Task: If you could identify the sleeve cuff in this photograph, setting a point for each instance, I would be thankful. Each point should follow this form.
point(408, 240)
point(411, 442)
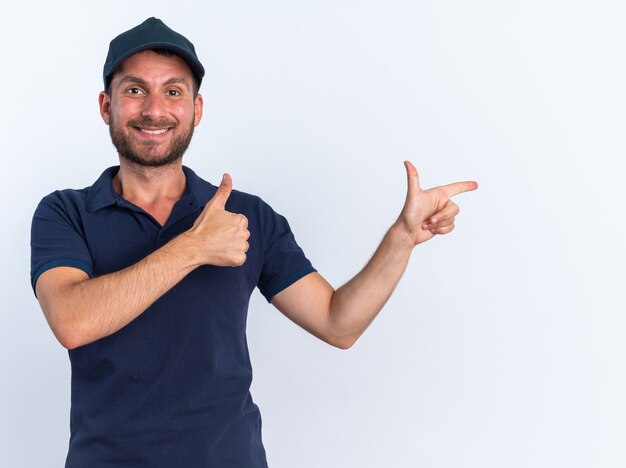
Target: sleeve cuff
point(66, 262)
point(282, 283)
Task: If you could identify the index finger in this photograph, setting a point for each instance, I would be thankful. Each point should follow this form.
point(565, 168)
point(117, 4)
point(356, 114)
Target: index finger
point(459, 187)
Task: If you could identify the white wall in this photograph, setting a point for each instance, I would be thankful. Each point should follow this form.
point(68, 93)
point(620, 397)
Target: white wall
point(503, 345)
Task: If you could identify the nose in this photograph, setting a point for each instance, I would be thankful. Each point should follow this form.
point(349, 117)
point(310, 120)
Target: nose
point(153, 106)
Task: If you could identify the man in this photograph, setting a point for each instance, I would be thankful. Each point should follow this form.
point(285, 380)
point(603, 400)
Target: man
point(146, 276)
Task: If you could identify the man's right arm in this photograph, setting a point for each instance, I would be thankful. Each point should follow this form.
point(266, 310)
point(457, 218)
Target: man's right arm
point(80, 310)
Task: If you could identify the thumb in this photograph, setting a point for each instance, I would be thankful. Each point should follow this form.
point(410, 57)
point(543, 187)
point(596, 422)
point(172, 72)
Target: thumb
point(223, 192)
point(412, 179)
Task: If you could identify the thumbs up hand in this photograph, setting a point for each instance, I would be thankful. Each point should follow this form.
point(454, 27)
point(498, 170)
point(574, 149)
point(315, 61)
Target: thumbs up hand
point(221, 237)
point(427, 213)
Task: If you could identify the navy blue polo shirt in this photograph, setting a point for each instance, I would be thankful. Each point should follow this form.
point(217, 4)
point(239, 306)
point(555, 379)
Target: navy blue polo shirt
point(171, 388)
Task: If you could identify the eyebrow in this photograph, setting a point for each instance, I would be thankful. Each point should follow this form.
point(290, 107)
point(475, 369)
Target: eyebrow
point(144, 83)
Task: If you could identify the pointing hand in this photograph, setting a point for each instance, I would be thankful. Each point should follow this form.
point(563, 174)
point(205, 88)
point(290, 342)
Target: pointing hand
point(429, 212)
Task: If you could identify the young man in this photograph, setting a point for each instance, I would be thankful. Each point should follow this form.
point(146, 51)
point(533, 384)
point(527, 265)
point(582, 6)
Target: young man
point(146, 276)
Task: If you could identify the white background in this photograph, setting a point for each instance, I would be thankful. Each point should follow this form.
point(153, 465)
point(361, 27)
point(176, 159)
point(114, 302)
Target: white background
point(504, 343)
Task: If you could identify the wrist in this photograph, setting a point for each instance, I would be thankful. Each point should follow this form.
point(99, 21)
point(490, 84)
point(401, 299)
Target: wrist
point(185, 249)
point(401, 236)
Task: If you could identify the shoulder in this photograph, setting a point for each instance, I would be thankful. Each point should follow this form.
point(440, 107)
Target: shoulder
point(89, 198)
point(67, 196)
point(246, 201)
point(238, 201)
point(65, 201)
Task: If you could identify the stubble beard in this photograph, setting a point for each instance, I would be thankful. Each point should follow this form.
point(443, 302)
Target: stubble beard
point(146, 154)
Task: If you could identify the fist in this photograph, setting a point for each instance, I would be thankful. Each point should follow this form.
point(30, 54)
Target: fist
point(221, 237)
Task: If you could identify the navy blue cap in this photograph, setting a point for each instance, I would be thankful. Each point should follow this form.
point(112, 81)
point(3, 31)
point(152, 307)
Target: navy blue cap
point(151, 34)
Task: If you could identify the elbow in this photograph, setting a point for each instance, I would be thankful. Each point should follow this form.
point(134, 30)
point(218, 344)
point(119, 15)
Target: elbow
point(344, 342)
point(63, 316)
point(342, 337)
point(64, 331)
point(69, 344)
point(65, 337)
point(344, 346)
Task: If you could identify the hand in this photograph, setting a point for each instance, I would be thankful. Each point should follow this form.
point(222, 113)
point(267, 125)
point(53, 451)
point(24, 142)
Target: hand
point(427, 213)
point(221, 237)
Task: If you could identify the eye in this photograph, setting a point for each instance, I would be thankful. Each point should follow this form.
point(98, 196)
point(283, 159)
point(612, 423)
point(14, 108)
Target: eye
point(134, 90)
point(173, 92)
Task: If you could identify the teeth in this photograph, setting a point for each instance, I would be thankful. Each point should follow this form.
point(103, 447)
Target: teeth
point(155, 132)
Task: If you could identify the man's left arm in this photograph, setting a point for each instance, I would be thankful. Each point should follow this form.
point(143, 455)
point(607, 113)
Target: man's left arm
point(339, 317)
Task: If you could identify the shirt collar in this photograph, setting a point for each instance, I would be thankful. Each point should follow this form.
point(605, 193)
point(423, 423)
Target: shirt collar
point(202, 190)
point(101, 194)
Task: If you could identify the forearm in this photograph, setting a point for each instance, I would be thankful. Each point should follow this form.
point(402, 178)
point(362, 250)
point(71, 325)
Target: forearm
point(340, 317)
point(84, 311)
point(355, 304)
point(81, 310)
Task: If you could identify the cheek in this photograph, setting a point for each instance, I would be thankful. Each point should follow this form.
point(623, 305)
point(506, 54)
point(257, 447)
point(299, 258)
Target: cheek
point(115, 114)
point(184, 113)
point(182, 110)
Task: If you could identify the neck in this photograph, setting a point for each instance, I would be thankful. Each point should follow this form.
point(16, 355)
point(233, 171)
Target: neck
point(147, 186)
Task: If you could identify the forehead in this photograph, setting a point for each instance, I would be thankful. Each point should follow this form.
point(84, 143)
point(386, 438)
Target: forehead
point(155, 68)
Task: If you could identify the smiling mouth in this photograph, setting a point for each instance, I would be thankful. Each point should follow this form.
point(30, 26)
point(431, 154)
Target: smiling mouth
point(148, 131)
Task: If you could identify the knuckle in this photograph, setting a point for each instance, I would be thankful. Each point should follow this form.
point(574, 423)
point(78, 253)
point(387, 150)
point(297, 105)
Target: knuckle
point(447, 223)
point(448, 229)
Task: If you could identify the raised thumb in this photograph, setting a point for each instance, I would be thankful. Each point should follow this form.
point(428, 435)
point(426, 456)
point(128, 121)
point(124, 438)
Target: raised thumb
point(223, 192)
point(412, 179)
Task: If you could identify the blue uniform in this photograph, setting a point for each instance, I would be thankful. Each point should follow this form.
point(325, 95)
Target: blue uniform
point(171, 388)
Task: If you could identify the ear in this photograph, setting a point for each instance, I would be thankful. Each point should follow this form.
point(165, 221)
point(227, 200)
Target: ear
point(104, 102)
point(197, 110)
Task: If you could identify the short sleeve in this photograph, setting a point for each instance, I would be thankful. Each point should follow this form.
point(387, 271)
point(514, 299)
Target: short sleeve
point(57, 238)
point(284, 262)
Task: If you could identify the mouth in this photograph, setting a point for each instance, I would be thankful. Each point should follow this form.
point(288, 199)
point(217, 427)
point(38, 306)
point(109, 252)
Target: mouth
point(152, 131)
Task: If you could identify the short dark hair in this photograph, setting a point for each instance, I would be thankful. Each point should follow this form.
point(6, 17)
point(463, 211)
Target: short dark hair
point(165, 53)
